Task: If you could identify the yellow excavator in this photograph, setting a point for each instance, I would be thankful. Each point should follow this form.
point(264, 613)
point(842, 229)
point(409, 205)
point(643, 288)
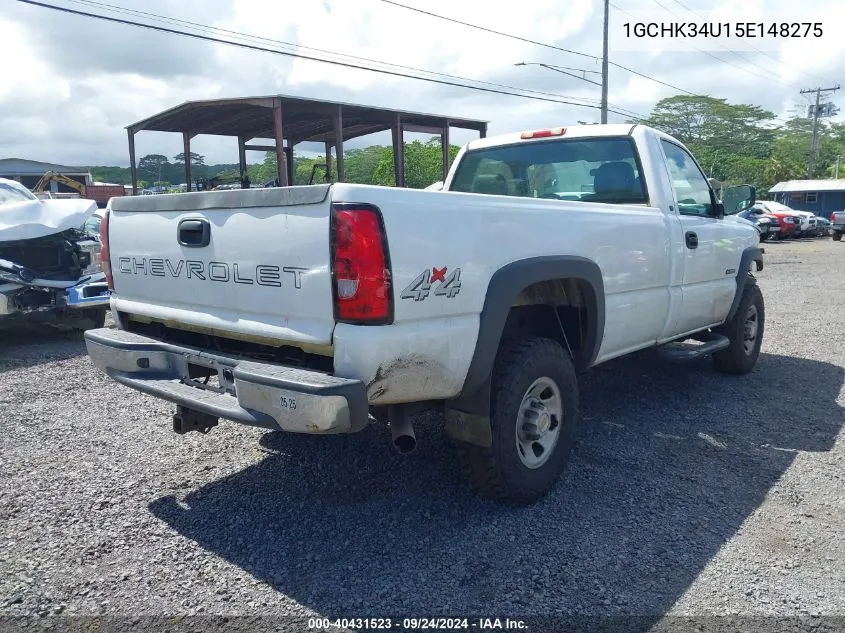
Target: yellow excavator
point(52, 176)
point(101, 194)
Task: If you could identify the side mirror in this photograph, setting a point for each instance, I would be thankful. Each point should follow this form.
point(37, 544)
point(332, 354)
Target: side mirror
point(437, 186)
point(738, 198)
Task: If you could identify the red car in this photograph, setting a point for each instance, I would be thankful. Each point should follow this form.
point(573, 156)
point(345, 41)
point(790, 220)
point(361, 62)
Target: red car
point(789, 223)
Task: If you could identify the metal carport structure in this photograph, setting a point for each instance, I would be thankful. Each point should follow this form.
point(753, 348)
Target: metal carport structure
point(292, 120)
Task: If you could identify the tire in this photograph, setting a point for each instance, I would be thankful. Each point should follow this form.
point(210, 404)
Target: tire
point(836, 236)
point(511, 470)
point(739, 358)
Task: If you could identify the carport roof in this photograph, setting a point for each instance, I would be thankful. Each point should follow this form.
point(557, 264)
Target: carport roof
point(302, 119)
point(802, 186)
point(26, 167)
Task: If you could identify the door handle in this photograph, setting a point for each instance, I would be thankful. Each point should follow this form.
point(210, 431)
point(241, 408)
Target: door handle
point(194, 232)
point(691, 238)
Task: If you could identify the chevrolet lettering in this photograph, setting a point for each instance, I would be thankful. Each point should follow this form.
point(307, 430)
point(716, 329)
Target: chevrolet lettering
point(260, 274)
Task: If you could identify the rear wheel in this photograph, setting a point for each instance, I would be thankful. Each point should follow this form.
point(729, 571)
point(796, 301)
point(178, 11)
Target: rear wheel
point(745, 331)
point(534, 408)
point(836, 236)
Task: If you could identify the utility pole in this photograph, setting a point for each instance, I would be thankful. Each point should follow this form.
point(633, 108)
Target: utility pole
point(837, 167)
point(816, 113)
point(604, 63)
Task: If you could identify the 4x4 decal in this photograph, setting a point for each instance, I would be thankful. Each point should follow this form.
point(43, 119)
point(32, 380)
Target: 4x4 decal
point(447, 285)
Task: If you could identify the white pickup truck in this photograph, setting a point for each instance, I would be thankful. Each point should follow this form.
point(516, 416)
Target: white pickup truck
point(322, 309)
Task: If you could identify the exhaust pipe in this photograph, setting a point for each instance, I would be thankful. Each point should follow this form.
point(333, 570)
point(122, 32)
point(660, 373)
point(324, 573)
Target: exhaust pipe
point(404, 440)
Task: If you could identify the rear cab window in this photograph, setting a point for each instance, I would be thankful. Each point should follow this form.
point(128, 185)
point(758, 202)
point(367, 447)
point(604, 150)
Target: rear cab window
point(598, 169)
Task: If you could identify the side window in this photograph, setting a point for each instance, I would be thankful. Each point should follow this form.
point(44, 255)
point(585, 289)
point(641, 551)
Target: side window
point(691, 188)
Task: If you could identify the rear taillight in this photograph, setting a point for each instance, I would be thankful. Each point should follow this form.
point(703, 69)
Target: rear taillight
point(104, 249)
point(360, 265)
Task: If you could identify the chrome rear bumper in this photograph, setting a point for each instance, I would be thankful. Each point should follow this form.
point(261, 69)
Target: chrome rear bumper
point(254, 393)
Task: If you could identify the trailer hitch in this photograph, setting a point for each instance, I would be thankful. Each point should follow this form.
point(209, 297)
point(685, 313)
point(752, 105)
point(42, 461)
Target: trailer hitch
point(186, 420)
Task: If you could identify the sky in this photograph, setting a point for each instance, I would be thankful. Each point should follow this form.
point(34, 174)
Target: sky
point(71, 84)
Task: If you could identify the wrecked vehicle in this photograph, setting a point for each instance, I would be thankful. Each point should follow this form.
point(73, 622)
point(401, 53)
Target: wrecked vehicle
point(50, 270)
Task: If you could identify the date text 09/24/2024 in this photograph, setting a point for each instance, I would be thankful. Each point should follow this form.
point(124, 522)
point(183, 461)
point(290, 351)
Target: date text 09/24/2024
point(742, 30)
point(417, 624)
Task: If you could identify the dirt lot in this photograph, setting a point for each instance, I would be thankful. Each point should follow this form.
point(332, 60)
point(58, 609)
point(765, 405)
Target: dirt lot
point(691, 493)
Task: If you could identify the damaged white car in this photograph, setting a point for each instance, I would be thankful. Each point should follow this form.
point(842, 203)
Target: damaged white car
point(49, 261)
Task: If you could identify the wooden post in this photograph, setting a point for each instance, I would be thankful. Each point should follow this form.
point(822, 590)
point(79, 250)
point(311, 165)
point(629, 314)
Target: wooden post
point(398, 152)
point(132, 170)
point(242, 155)
point(281, 172)
point(338, 142)
point(444, 141)
point(186, 145)
point(328, 162)
point(289, 163)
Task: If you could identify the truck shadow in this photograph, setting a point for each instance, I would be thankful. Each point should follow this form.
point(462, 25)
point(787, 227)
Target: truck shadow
point(672, 460)
point(29, 345)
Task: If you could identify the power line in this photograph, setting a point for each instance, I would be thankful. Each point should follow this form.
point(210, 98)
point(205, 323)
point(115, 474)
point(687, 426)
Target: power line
point(530, 41)
point(725, 61)
point(559, 69)
point(617, 109)
point(742, 57)
point(719, 59)
point(209, 29)
point(679, 3)
point(127, 11)
point(487, 30)
point(580, 70)
point(254, 47)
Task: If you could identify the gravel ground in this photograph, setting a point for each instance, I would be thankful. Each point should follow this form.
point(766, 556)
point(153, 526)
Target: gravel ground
point(690, 493)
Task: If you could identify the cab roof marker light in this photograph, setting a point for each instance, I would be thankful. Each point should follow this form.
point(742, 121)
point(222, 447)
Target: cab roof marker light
point(555, 131)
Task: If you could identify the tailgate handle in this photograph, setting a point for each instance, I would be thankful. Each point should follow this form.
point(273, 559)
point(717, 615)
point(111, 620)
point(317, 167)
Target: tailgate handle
point(195, 233)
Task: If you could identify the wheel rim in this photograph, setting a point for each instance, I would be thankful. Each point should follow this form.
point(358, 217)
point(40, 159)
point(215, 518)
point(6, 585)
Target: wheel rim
point(538, 422)
point(750, 329)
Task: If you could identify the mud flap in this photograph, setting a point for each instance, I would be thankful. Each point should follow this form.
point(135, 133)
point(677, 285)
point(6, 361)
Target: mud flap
point(468, 419)
point(469, 428)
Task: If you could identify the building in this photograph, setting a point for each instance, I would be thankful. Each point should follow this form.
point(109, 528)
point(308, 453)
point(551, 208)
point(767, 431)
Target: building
point(29, 172)
point(821, 197)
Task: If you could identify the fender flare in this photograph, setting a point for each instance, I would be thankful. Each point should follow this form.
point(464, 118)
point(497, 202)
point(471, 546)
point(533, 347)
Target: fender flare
point(467, 416)
point(750, 254)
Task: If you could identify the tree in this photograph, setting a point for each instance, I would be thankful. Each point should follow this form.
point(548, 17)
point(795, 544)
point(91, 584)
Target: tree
point(154, 165)
point(196, 159)
point(198, 168)
point(304, 167)
point(267, 171)
point(423, 164)
point(360, 164)
point(732, 142)
point(700, 121)
point(117, 175)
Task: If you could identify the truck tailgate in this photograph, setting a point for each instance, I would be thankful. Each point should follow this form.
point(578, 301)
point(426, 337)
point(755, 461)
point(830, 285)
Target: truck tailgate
point(253, 263)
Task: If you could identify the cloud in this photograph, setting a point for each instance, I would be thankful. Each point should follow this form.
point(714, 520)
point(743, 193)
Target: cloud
point(76, 83)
